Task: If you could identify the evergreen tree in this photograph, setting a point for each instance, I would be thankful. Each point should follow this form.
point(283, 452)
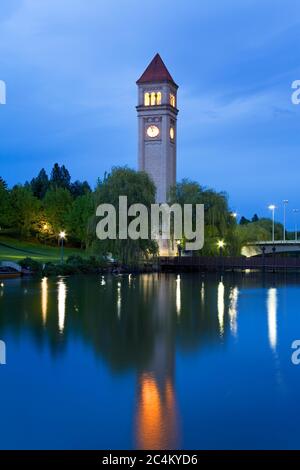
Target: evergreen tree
point(5, 207)
point(255, 218)
point(40, 184)
point(3, 183)
point(60, 177)
point(244, 221)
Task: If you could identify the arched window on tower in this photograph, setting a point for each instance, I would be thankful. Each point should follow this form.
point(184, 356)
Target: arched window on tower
point(172, 100)
point(152, 98)
point(147, 99)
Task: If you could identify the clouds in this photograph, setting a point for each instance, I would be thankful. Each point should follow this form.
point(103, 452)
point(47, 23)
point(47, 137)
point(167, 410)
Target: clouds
point(70, 68)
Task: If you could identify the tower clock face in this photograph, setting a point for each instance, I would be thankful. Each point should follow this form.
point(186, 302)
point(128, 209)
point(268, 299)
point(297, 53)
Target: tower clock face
point(152, 131)
point(172, 133)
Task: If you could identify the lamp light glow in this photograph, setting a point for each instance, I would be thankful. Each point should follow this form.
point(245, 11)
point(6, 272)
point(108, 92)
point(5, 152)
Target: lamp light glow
point(221, 243)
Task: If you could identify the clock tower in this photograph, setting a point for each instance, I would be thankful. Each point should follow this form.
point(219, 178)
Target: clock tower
point(157, 116)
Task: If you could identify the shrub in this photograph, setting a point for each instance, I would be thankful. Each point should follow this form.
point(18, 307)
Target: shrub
point(31, 264)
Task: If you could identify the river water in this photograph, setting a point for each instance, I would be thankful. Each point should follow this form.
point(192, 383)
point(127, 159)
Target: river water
point(154, 361)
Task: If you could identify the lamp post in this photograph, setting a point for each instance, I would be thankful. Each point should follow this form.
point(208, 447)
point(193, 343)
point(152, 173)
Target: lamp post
point(296, 228)
point(285, 202)
point(234, 215)
point(179, 248)
point(272, 208)
point(62, 237)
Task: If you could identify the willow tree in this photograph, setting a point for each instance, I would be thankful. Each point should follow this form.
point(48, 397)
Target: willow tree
point(139, 189)
point(219, 223)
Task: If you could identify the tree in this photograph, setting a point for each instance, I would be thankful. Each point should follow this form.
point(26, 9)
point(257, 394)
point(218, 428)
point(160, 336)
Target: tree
point(79, 188)
point(60, 177)
point(138, 188)
point(5, 206)
point(25, 209)
point(218, 220)
point(40, 184)
point(244, 221)
point(57, 205)
point(80, 212)
point(261, 230)
point(3, 183)
point(255, 218)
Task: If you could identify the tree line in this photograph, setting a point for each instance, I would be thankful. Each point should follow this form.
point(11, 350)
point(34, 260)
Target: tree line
point(46, 205)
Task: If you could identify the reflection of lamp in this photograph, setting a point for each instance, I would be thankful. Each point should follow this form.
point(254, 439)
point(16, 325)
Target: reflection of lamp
point(62, 236)
point(221, 306)
point(62, 295)
point(119, 299)
point(272, 316)
point(233, 309)
point(178, 295)
point(44, 298)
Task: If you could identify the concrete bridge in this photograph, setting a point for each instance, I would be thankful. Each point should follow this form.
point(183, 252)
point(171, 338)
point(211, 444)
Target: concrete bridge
point(229, 263)
point(11, 265)
point(271, 248)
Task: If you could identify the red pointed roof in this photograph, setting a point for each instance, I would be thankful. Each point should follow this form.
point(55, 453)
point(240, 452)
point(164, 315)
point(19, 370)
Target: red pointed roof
point(156, 72)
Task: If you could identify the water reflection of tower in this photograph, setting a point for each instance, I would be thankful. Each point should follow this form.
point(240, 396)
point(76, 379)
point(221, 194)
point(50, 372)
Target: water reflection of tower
point(156, 418)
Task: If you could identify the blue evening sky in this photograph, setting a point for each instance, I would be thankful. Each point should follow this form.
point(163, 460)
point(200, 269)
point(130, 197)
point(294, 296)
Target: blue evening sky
point(70, 67)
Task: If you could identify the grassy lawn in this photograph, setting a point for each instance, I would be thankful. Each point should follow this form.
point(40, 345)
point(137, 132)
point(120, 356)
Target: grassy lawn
point(12, 249)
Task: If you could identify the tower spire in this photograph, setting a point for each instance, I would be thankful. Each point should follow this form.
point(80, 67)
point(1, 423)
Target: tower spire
point(156, 72)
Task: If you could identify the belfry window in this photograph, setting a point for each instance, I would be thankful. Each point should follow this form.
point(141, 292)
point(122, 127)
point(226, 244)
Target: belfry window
point(172, 100)
point(152, 99)
point(147, 99)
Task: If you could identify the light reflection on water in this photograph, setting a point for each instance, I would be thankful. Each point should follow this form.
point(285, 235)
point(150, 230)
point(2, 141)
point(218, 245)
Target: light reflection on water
point(221, 306)
point(156, 414)
point(61, 302)
point(272, 317)
point(161, 328)
point(178, 295)
point(44, 298)
point(233, 297)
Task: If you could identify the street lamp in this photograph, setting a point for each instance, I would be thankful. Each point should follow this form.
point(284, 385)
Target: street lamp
point(296, 228)
point(62, 236)
point(179, 248)
point(234, 215)
point(285, 202)
point(221, 245)
point(272, 208)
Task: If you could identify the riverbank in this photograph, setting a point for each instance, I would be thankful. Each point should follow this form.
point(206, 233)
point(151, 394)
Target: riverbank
point(12, 249)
